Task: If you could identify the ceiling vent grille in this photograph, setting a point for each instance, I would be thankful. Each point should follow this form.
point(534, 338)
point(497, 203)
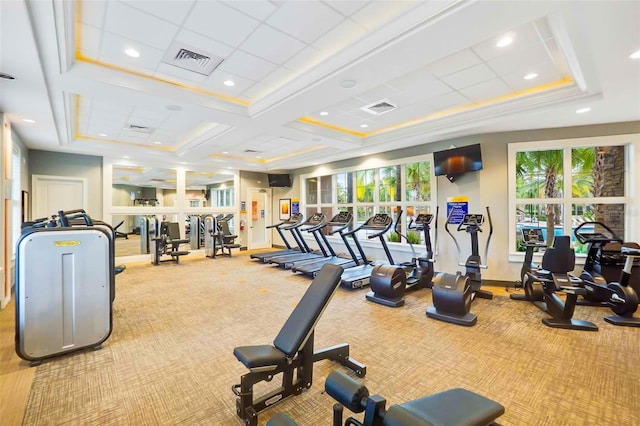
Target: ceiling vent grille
point(191, 59)
point(252, 151)
point(379, 108)
point(139, 129)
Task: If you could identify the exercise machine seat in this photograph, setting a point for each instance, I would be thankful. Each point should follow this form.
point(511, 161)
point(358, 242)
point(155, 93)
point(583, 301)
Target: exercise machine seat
point(259, 356)
point(560, 258)
point(454, 407)
point(281, 420)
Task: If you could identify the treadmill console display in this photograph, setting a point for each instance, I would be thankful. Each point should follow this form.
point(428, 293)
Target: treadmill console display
point(294, 218)
point(424, 219)
point(316, 218)
point(381, 219)
point(342, 217)
point(532, 236)
point(472, 220)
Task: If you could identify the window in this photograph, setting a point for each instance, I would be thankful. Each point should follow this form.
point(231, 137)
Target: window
point(558, 189)
point(365, 192)
point(221, 198)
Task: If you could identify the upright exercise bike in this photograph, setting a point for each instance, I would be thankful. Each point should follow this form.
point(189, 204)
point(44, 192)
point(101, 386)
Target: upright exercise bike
point(389, 283)
point(453, 294)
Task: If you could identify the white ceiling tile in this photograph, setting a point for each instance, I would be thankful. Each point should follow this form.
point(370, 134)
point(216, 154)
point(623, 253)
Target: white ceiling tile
point(376, 94)
point(523, 37)
point(220, 22)
point(347, 7)
point(420, 83)
point(306, 59)
point(547, 73)
point(469, 77)
point(303, 20)
point(216, 81)
point(112, 51)
point(93, 13)
point(449, 100)
point(247, 66)
point(486, 90)
point(256, 9)
point(171, 71)
point(144, 122)
point(278, 77)
point(523, 61)
point(377, 13)
point(152, 114)
point(204, 43)
point(256, 91)
point(90, 38)
point(341, 36)
point(272, 45)
point(172, 11)
point(348, 105)
point(136, 25)
point(453, 63)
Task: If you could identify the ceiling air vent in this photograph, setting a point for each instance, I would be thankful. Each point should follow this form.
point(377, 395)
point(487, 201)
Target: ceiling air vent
point(378, 108)
point(252, 151)
point(191, 59)
point(139, 129)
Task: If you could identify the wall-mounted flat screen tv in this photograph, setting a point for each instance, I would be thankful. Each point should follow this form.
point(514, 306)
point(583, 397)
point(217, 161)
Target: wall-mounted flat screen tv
point(279, 180)
point(457, 161)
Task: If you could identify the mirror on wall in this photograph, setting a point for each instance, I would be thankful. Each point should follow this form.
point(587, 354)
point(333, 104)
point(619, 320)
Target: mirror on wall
point(143, 186)
point(133, 232)
point(209, 189)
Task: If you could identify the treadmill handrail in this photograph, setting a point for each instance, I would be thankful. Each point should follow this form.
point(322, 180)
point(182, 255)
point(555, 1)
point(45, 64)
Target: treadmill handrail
point(387, 226)
point(584, 237)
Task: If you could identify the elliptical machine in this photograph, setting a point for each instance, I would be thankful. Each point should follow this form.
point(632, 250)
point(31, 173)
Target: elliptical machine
point(390, 282)
point(619, 296)
point(453, 294)
point(533, 291)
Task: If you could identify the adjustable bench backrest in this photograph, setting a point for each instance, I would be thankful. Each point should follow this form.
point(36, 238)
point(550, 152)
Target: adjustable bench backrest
point(560, 258)
point(302, 321)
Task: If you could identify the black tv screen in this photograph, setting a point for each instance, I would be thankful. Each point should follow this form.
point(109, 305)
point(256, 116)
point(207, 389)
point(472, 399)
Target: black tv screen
point(279, 180)
point(456, 161)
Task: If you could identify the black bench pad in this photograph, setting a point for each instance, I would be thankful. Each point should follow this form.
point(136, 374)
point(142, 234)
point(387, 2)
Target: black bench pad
point(455, 407)
point(259, 356)
point(281, 420)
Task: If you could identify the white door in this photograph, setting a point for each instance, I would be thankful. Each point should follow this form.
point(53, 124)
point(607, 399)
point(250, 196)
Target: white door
point(259, 217)
point(54, 193)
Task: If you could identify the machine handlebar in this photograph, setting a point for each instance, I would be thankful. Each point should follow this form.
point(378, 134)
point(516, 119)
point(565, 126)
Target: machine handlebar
point(596, 237)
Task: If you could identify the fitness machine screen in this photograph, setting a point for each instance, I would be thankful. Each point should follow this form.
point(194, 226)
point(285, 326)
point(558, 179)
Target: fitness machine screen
point(424, 218)
point(532, 235)
point(472, 219)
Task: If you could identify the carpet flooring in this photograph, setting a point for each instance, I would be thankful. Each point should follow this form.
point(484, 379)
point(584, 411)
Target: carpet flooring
point(169, 360)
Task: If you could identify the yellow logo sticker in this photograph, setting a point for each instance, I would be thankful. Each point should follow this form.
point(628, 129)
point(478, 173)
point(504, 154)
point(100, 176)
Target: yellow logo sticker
point(68, 243)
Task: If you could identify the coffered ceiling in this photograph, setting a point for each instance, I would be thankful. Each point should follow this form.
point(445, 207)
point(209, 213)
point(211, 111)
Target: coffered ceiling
point(276, 85)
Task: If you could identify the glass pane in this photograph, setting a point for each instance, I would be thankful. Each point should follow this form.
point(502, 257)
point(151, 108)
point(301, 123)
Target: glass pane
point(140, 186)
point(208, 189)
point(389, 184)
point(417, 237)
point(328, 212)
point(612, 215)
point(363, 213)
point(531, 216)
point(418, 178)
point(325, 190)
point(344, 187)
point(312, 190)
point(364, 185)
point(539, 174)
point(598, 171)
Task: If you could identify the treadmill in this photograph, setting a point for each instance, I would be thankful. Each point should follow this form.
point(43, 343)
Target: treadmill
point(287, 225)
point(340, 222)
point(313, 225)
point(358, 276)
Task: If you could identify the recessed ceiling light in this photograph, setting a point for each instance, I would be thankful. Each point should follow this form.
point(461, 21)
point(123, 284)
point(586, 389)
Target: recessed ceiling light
point(348, 84)
point(257, 156)
point(365, 153)
point(530, 76)
point(126, 156)
point(102, 134)
point(583, 110)
point(7, 76)
point(28, 120)
point(225, 152)
point(635, 55)
point(132, 52)
point(364, 125)
point(158, 143)
point(229, 167)
point(315, 164)
point(229, 83)
point(504, 41)
point(324, 113)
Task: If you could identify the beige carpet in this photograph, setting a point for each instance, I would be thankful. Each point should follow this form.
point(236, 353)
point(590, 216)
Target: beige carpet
point(170, 358)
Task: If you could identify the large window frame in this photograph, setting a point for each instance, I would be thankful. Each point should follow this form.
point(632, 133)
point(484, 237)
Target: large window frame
point(631, 142)
point(376, 204)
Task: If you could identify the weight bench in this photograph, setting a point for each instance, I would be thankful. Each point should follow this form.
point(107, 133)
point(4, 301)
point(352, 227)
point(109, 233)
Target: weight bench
point(168, 243)
point(292, 352)
point(454, 407)
point(225, 240)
